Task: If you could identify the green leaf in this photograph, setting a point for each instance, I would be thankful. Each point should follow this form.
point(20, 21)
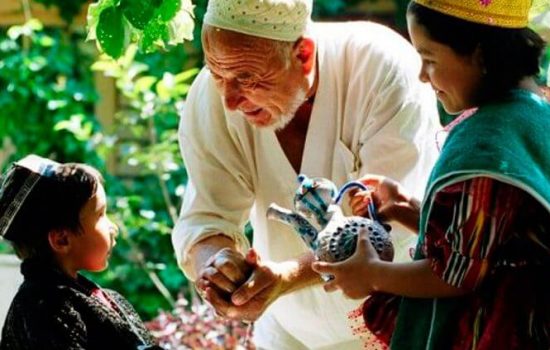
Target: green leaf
point(151, 24)
point(110, 32)
point(138, 12)
point(168, 9)
point(186, 75)
point(92, 18)
point(46, 41)
point(109, 67)
point(153, 35)
point(77, 126)
point(56, 104)
point(181, 90)
point(135, 69)
point(145, 83)
point(37, 63)
point(163, 91)
point(33, 25)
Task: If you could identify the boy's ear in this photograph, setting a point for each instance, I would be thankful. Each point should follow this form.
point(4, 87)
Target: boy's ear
point(59, 241)
point(304, 50)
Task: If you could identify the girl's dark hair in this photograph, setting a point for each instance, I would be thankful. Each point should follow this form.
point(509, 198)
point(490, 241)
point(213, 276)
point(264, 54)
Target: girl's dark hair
point(54, 203)
point(509, 54)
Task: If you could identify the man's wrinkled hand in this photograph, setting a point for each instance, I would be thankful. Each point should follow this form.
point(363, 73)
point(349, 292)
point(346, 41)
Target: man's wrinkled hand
point(247, 303)
point(224, 272)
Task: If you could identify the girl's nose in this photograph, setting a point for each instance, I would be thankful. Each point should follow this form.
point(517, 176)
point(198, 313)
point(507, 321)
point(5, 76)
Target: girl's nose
point(423, 76)
point(114, 230)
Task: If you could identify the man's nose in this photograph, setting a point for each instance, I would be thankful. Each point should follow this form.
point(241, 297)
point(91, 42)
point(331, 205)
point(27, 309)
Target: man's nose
point(232, 95)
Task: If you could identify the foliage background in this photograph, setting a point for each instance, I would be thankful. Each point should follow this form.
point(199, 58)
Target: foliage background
point(47, 97)
point(50, 71)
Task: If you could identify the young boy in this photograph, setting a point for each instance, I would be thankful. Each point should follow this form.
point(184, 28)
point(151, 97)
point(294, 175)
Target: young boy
point(55, 217)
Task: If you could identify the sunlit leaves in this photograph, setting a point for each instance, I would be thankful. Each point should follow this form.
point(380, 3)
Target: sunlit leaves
point(109, 28)
point(48, 93)
point(155, 32)
point(137, 12)
point(168, 9)
point(76, 125)
point(26, 29)
point(151, 24)
point(144, 84)
point(147, 150)
point(146, 93)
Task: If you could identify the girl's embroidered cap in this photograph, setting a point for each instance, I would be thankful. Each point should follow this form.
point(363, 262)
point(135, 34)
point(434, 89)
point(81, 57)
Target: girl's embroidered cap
point(284, 20)
point(499, 13)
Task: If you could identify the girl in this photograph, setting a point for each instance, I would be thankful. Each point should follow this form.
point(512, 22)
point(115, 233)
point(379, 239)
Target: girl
point(55, 217)
point(479, 279)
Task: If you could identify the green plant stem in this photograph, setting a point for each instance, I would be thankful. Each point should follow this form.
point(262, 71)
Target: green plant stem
point(136, 251)
point(164, 189)
point(25, 4)
point(158, 284)
point(166, 196)
point(26, 10)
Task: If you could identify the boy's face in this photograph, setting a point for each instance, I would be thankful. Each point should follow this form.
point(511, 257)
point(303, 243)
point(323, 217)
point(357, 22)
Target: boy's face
point(90, 249)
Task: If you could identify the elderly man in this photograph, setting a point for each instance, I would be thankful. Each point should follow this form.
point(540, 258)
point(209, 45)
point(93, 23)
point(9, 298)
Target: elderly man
point(280, 96)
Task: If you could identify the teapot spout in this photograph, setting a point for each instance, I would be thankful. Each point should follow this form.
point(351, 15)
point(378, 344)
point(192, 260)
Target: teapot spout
point(300, 224)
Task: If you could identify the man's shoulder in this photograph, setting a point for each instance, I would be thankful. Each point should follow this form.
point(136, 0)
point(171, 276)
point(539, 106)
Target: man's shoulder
point(359, 32)
point(371, 51)
point(331, 27)
point(364, 44)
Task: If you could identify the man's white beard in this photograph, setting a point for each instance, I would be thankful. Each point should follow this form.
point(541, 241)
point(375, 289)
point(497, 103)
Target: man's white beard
point(284, 119)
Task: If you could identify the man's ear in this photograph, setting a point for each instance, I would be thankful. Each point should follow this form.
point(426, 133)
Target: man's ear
point(304, 50)
point(59, 241)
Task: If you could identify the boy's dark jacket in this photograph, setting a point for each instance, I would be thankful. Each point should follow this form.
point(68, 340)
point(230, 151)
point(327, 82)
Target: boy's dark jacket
point(54, 311)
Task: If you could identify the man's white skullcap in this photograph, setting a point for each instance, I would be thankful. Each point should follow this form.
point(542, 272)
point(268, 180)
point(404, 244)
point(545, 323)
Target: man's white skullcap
point(284, 20)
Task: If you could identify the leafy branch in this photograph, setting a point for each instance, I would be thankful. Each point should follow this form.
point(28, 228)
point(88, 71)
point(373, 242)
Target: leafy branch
point(152, 24)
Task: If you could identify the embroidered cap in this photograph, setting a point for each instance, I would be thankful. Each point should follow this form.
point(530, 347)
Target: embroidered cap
point(284, 20)
point(37, 168)
point(499, 13)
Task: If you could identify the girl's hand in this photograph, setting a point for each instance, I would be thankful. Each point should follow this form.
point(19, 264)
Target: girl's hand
point(391, 200)
point(355, 275)
point(364, 273)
